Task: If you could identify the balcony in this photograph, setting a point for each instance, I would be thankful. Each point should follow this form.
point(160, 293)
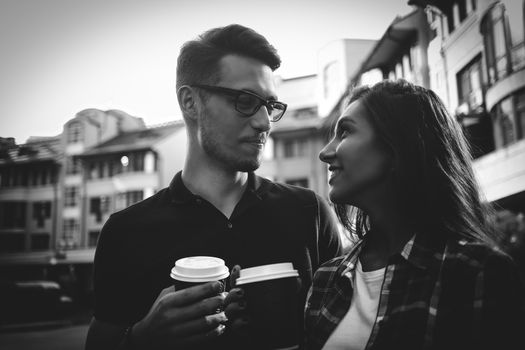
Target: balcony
point(504, 87)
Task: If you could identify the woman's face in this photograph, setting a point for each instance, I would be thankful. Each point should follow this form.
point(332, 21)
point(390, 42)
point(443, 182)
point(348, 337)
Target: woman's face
point(358, 162)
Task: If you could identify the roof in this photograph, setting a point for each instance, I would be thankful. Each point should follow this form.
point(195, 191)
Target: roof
point(135, 140)
point(37, 150)
point(397, 35)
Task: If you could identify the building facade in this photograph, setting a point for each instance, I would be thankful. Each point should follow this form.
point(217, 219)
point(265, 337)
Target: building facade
point(56, 192)
point(478, 68)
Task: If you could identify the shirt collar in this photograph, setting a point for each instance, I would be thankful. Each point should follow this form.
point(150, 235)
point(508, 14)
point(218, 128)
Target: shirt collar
point(180, 194)
point(422, 250)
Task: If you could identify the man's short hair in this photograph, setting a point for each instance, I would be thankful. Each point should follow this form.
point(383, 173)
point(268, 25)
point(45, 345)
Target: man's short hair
point(198, 60)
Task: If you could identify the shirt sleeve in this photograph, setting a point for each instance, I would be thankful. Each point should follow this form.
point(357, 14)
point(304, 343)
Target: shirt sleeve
point(112, 285)
point(503, 306)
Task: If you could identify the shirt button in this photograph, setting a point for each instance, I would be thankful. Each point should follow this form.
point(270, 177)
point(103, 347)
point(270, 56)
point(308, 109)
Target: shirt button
point(230, 225)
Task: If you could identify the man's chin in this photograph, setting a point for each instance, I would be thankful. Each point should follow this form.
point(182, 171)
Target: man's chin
point(248, 165)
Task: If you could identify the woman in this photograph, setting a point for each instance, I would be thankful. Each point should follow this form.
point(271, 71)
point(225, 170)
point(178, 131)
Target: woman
point(424, 272)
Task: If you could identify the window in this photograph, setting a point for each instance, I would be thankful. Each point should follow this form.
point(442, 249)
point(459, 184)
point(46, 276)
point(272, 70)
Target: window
point(70, 231)
point(74, 132)
point(73, 165)
point(494, 27)
point(99, 206)
point(35, 174)
point(71, 196)
point(462, 5)
point(295, 148)
point(93, 238)
point(520, 113)
point(12, 242)
point(41, 211)
point(97, 170)
point(510, 119)
point(12, 215)
point(4, 173)
point(40, 241)
point(505, 122)
point(470, 86)
point(126, 199)
point(137, 162)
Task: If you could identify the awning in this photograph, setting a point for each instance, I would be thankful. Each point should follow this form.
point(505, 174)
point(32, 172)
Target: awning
point(398, 36)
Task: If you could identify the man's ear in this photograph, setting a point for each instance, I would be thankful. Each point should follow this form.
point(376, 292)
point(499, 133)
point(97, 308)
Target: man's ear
point(187, 101)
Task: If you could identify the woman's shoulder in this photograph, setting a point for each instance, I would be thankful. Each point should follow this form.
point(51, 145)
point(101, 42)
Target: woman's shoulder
point(477, 255)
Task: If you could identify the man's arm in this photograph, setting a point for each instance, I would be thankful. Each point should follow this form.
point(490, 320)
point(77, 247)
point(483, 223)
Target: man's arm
point(102, 335)
point(177, 318)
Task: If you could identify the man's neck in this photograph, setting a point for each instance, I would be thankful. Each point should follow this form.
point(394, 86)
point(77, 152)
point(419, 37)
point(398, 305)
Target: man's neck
point(221, 188)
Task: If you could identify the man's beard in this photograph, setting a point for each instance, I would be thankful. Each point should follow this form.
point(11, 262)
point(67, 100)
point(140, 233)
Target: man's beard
point(214, 149)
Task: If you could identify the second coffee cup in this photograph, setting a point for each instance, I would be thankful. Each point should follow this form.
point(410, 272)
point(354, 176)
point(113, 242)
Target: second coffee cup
point(271, 297)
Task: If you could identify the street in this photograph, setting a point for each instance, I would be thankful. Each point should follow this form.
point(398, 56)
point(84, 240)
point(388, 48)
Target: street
point(64, 338)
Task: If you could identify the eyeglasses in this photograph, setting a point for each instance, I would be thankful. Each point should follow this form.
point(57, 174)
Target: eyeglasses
point(248, 103)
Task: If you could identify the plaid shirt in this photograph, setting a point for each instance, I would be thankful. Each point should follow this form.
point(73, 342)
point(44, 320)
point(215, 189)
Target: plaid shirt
point(436, 294)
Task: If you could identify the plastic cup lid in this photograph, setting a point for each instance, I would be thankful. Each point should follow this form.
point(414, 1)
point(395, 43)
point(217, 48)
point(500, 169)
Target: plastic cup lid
point(199, 269)
point(266, 272)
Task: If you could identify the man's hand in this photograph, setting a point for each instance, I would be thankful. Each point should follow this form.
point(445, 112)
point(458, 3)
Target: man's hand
point(235, 304)
point(182, 318)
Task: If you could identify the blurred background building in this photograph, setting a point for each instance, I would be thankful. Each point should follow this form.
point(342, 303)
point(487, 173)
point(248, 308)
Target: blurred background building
point(56, 192)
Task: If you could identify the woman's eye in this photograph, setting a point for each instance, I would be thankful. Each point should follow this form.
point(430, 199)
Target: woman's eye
point(343, 133)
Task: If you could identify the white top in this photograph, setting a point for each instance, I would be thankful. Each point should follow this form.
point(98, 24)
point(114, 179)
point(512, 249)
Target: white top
point(353, 331)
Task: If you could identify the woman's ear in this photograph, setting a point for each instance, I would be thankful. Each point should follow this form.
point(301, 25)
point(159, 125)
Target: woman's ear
point(187, 101)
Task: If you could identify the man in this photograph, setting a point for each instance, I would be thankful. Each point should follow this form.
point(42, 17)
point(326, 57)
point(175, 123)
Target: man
point(216, 206)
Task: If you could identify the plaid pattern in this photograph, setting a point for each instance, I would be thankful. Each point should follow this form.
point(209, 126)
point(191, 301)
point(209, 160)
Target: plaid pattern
point(436, 294)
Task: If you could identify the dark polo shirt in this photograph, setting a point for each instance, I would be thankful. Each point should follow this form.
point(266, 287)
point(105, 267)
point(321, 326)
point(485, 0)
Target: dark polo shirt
point(272, 223)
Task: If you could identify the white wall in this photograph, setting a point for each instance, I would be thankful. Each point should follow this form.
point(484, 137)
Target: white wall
point(171, 156)
point(502, 173)
point(347, 56)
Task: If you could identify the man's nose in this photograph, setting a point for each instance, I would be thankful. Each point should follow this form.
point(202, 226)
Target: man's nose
point(261, 119)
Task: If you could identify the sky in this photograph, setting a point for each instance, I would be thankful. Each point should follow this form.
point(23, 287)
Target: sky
point(59, 57)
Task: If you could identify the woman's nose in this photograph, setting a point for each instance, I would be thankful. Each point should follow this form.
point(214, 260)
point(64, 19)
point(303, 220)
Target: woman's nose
point(327, 152)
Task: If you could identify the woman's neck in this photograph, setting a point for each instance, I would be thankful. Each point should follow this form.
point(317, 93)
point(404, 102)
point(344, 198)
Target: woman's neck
point(388, 235)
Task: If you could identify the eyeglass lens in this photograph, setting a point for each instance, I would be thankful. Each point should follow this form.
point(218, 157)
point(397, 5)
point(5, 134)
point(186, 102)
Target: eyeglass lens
point(250, 104)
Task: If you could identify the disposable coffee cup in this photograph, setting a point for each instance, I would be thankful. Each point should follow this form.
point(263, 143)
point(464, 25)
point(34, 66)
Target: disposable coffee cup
point(195, 270)
point(271, 293)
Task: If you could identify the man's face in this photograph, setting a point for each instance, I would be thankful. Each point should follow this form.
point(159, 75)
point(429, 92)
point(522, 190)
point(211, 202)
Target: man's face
point(227, 137)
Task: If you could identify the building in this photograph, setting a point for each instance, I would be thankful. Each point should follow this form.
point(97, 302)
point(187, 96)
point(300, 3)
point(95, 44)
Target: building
point(472, 54)
point(124, 170)
point(298, 138)
point(478, 68)
point(400, 53)
point(29, 193)
point(56, 192)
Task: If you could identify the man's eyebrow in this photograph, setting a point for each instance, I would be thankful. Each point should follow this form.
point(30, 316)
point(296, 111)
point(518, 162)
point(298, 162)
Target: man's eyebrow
point(269, 98)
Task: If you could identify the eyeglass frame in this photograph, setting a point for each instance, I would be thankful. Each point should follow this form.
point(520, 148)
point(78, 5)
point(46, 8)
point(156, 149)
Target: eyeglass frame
point(229, 91)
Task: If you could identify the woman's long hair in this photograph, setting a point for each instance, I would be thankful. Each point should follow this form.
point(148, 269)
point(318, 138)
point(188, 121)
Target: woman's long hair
point(432, 177)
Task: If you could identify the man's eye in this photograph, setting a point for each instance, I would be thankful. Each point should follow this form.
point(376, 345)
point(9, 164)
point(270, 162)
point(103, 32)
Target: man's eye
point(245, 101)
